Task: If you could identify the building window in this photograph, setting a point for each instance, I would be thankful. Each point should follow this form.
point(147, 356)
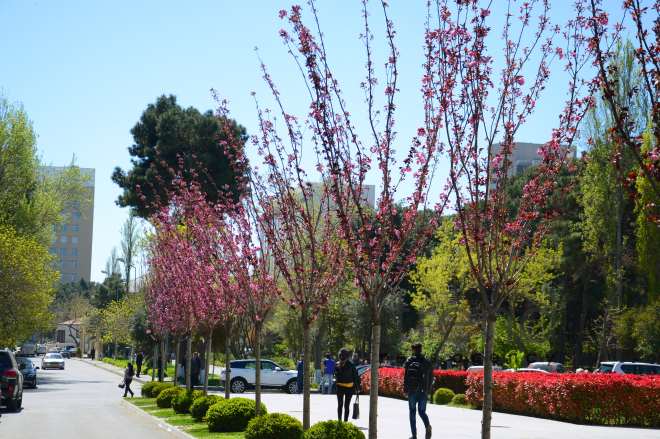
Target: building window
point(74, 264)
point(74, 240)
point(76, 216)
point(62, 264)
point(63, 240)
point(52, 251)
point(520, 169)
point(76, 204)
point(62, 252)
point(74, 252)
point(54, 227)
point(62, 276)
point(65, 227)
point(73, 277)
point(75, 227)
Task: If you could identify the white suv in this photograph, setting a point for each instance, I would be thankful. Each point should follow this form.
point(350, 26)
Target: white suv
point(632, 368)
point(272, 375)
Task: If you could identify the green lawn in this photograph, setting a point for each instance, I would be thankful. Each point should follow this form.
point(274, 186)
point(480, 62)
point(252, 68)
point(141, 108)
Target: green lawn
point(183, 422)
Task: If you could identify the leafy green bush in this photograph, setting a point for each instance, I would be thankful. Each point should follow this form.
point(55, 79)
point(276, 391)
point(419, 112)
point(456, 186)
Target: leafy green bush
point(159, 388)
point(333, 430)
point(274, 426)
point(183, 400)
point(443, 396)
point(165, 397)
point(232, 415)
point(201, 405)
point(148, 388)
point(459, 399)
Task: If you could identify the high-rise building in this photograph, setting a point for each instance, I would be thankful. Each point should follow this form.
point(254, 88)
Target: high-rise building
point(73, 239)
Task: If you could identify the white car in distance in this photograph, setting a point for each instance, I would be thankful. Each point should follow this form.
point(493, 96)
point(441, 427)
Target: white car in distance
point(272, 376)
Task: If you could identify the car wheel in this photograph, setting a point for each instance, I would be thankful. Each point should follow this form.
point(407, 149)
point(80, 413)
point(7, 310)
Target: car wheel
point(237, 385)
point(20, 402)
point(34, 385)
point(12, 405)
point(291, 386)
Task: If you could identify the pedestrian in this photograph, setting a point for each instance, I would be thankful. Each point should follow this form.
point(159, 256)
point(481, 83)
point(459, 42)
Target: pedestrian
point(300, 368)
point(93, 353)
point(328, 373)
point(194, 369)
point(356, 359)
point(159, 366)
point(128, 378)
point(348, 382)
point(139, 358)
point(417, 380)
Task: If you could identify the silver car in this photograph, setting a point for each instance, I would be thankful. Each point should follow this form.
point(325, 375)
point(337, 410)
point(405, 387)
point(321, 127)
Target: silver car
point(52, 361)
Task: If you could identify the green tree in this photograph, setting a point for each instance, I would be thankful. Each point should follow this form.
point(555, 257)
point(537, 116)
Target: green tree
point(167, 132)
point(129, 244)
point(113, 287)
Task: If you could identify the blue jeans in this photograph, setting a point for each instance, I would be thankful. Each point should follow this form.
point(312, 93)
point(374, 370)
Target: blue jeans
point(417, 402)
point(300, 384)
point(326, 376)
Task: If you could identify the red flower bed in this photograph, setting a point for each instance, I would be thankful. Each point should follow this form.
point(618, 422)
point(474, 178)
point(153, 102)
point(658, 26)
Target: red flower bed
point(390, 382)
point(606, 399)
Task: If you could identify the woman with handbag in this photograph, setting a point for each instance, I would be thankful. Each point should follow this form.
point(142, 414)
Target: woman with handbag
point(348, 383)
point(128, 378)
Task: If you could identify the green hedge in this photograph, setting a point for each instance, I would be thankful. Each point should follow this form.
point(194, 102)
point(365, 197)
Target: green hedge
point(459, 399)
point(443, 396)
point(201, 405)
point(165, 398)
point(232, 415)
point(274, 426)
point(183, 400)
point(333, 430)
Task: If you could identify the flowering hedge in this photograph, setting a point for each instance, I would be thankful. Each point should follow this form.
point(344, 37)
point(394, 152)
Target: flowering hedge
point(606, 399)
point(390, 382)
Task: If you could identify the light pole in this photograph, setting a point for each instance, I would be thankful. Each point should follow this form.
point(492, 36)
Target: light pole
point(117, 289)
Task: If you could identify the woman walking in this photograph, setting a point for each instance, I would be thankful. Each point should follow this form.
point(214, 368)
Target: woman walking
point(128, 378)
point(348, 383)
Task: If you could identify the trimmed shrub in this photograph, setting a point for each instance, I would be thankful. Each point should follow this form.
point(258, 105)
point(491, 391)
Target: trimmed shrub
point(333, 430)
point(165, 397)
point(159, 388)
point(603, 399)
point(183, 400)
point(148, 388)
point(201, 405)
point(459, 399)
point(274, 426)
point(452, 380)
point(232, 415)
point(443, 396)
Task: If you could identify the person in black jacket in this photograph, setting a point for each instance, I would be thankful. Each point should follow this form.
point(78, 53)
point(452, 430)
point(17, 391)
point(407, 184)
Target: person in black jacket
point(300, 368)
point(417, 381)
point(348, 382)
point(138, 364)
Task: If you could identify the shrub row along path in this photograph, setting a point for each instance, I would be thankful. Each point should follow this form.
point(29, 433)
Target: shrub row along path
point(80, 402)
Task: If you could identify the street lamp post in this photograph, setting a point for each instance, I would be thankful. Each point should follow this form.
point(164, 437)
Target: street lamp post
point(117, 289)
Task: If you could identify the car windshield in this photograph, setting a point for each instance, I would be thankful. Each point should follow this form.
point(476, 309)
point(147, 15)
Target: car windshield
point(605, 368)
point(545, 367)
point(24, 361)
point(53, 356)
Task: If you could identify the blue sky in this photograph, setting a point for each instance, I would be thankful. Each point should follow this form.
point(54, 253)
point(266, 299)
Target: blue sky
point(85, 71)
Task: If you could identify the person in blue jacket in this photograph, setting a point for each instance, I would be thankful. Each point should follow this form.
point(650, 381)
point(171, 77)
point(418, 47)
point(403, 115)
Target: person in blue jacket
point(300, 367)
point(328, 373)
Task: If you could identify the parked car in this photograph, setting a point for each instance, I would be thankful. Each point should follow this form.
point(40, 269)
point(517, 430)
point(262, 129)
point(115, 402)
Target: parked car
point(11, 383)
point(527, 370)
point(52, 361)
point(272, 376)
point(28, 350)
point(29, 372)
point(42, 349)
point(66, 353)
point(476, 368)
point(626, 367)
point(549, 367)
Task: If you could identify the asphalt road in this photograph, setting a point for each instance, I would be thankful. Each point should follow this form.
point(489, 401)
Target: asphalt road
point(80, 402)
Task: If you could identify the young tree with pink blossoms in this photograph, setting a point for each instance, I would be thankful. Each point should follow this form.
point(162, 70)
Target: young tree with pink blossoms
point(482, 112)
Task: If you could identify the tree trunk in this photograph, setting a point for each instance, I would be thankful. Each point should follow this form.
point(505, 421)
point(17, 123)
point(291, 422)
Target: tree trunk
point(188, 362)
point(318, 345)
point(445, 337)
point(619, 258)
point(307, 349)
point(602, 351)
point(373, 391)
point(207, 362)
point(154, 363)
point(161, 373)
point(579, 349)
point(177, 359)
point(487, 414)
point(227, 360)
point(257, 370)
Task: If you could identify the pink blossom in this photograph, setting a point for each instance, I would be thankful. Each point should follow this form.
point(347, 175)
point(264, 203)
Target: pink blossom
point(421, 132)
point(520, 80)
point(485, 13)
point(604, 20)
point(497, 160)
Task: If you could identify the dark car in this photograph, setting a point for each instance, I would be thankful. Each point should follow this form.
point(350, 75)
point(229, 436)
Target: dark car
point(549, 367)
point(11, 384)
point(29, 371)
point(66, 353)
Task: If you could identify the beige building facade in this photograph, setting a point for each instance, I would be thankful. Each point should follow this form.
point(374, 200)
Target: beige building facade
point(73, 240)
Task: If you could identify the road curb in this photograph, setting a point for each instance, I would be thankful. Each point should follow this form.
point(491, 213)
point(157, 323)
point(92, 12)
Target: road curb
point(157, 421)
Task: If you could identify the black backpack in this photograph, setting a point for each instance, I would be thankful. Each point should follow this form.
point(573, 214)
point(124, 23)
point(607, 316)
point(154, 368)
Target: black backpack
point(416, 374)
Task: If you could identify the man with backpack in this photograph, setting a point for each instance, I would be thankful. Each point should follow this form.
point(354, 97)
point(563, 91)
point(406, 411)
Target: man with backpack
point(417, 382)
